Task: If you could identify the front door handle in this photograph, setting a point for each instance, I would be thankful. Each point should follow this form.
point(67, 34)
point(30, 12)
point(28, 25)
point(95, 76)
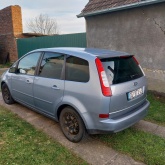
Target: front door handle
point(28, 81)
point(55, 87)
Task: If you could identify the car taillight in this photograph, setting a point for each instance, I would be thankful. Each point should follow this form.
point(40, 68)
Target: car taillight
point(103, 79)
point(135, 60)
point(124, 56)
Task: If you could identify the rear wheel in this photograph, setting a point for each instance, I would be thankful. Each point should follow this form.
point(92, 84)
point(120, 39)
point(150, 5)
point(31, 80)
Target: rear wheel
point(72, 125)
point(6, 95)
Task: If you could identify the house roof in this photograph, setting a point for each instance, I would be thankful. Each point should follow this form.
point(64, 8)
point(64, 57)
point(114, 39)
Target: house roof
point(95, 7)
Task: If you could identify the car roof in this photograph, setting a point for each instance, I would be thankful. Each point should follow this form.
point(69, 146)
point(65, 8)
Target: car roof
point(101, 53)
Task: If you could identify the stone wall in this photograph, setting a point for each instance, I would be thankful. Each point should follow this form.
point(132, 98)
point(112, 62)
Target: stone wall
point(139, 31)
point(10, 27)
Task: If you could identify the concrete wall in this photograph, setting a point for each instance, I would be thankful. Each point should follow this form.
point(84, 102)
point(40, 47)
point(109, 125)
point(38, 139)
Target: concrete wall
point(10, 28)
point(139, 31)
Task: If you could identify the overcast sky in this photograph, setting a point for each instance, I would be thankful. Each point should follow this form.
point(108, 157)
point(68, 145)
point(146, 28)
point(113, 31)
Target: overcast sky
point(64, 11)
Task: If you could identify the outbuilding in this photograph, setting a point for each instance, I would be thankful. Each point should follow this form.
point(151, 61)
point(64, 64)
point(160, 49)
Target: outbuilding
point(134, 26)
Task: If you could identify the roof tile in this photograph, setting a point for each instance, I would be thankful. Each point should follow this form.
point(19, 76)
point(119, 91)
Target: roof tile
point(96, 5)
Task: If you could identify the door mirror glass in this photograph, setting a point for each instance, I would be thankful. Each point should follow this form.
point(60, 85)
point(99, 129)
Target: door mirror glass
point(13, 69)
point(22, 71)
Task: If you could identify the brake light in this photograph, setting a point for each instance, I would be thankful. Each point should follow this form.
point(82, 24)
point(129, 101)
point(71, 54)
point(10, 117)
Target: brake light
point(124, 56)
point(135, 60)
point(103, 79)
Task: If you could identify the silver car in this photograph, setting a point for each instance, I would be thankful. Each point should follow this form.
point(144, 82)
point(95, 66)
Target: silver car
point(87, 90)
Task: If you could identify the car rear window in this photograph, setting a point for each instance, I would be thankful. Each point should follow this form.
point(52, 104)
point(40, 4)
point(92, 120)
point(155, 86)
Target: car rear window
point(121, 69)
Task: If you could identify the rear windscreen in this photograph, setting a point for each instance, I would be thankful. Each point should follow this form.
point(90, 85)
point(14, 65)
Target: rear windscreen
point(121, 69)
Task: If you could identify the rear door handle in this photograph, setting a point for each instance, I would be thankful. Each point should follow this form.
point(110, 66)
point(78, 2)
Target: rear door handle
point(55, 87)
point(28, 81)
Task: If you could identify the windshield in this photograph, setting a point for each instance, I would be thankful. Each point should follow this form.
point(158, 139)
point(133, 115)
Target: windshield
point(121, 69)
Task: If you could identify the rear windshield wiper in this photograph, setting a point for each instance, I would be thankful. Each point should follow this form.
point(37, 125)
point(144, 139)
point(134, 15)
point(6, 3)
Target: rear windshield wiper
point(111, 69)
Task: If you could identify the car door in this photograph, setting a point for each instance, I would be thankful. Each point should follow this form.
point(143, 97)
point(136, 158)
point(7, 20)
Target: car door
point(22, 81)
point(49, 84)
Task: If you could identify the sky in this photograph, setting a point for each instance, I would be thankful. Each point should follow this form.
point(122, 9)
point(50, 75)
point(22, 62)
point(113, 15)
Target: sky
point(64, 11)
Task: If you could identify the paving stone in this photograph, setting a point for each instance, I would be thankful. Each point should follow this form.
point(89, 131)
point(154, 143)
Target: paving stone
point(160, 131)
point(95, 152)
point(123, 160)
point(146, 126)
point(151, 128)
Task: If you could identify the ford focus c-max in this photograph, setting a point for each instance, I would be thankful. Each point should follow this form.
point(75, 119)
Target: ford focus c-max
point(86, 90)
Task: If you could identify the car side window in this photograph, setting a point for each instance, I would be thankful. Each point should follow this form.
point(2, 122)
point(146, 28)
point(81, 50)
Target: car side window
point(51, 66)
point(28, 64)
point(77, 69)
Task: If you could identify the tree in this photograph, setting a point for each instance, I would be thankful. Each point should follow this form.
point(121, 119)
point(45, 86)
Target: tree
point(43, 24)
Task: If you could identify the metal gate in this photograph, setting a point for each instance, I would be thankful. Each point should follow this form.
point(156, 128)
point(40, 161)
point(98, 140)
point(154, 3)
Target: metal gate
point(68, 40)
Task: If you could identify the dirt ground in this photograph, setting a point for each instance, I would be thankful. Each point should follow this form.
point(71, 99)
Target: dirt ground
point(1, 71)
point(159, 96)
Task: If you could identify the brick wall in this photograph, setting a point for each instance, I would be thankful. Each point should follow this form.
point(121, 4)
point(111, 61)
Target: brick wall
point(17, 20)
point(10, 28)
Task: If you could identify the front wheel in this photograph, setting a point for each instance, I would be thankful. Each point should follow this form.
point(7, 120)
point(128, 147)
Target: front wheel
point(7, 95)
point(72, 125)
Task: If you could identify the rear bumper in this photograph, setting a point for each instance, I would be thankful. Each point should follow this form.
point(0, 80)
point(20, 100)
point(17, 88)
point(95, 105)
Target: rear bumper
point(122, 122)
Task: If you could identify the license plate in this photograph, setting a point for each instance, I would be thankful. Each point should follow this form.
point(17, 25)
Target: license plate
point(133, 94)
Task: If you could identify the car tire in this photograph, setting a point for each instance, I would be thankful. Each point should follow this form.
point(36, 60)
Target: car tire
point(72, 125)
point(7, 95)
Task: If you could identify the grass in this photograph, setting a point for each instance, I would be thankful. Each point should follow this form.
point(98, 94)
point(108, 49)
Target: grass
point(141, 146)
point(21, 143)
point(7, 65)
point(156, 112)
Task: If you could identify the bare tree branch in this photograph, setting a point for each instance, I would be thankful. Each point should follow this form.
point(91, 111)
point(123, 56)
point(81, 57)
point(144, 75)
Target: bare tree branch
point(43, 24)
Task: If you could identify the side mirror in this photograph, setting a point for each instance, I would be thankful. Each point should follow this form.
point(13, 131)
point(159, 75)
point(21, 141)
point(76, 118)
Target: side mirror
point(12, 70)
point(22, 71)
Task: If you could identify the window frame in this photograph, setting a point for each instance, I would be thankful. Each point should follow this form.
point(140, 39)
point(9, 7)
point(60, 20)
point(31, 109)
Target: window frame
point(40, 62)
point(136, 70)
point(36, 69)
point(66, 68)
point(38, 65)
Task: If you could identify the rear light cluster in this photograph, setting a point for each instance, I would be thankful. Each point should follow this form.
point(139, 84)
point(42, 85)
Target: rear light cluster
point(103, 79)
point(106, 90)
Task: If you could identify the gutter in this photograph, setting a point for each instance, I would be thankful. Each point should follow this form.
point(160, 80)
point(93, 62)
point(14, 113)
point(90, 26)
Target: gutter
point(124, 7)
